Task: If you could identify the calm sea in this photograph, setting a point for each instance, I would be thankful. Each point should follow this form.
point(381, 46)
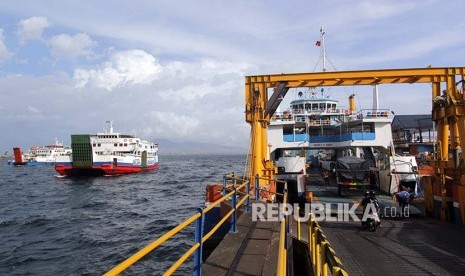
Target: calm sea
point(61, 226)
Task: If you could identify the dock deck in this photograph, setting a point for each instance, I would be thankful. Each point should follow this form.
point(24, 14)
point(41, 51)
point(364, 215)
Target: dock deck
point(252, 250)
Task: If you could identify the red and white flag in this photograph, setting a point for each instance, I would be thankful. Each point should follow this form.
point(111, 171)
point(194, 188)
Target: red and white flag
point(318, 43)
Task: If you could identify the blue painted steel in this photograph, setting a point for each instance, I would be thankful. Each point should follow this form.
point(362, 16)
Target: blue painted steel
point(233, 219)
point(247, 201)
point(198, 239)
point(224, 185)
point(355, 136)
point(256, 187)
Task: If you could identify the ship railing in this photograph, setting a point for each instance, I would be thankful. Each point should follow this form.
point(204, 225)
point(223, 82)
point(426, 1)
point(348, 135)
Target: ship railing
point(322, 255)
point(374, 113)
point(200, 238)
point(283, 116)
point(323, 258)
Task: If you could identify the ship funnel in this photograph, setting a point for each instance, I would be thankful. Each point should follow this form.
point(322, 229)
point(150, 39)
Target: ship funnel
point(352, 104)
point(375, 97)
point(18, 155)
point(109, 127)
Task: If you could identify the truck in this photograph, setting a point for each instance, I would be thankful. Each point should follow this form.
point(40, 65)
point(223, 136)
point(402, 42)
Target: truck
point(352, 173)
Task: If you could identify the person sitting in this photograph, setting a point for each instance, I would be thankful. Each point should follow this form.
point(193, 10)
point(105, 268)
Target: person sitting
point(374, 200)
point(370, 198)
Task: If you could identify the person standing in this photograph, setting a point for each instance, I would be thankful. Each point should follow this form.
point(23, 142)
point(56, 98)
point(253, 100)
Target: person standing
point(326, 177)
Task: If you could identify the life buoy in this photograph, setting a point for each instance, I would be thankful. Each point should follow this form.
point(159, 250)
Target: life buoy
point(130, 140)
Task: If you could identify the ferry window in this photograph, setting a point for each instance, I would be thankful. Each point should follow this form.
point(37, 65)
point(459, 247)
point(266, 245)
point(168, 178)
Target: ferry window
point(314, 106)
point(120, 145)
point(94, 145)
point(125, 144)
point(322, 106)
point(288, 130)
point(98, 145)
point(307, 106)
point(116, 145)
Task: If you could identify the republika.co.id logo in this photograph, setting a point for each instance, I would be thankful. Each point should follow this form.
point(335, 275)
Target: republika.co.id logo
point(321, 212)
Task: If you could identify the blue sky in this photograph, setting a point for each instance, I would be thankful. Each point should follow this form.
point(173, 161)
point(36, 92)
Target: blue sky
point(175, 69)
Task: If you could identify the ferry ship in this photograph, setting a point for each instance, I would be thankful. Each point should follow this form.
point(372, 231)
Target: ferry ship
point(39, 155)
point(316, 132)
point(47, 154)
point(108, 153)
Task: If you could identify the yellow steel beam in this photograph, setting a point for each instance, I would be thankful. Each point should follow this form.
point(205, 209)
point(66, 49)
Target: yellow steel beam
point(414, 75)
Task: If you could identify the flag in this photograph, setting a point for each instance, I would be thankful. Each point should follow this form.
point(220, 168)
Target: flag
point(318, 43)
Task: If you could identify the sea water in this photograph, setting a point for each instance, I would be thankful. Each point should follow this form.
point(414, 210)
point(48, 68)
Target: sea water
point(52, 225)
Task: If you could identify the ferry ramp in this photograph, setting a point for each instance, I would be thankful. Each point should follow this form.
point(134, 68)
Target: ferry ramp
point(413, 246)
point(416, 245)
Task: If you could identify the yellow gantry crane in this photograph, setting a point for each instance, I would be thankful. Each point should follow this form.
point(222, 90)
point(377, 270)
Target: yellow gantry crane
point(448, 110)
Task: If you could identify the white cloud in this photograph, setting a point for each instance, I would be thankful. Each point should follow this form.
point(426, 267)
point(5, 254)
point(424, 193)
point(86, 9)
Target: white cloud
point(34, 110)
point(32, 28)
point(67, 46)
point(378, 10)
point(415, 47)
point(4, 54)
point(133, 66)
point(170, 122)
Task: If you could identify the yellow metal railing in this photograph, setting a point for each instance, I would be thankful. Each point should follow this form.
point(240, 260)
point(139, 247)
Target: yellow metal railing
point(200, 238)
point(323, 257)
point(281, 269)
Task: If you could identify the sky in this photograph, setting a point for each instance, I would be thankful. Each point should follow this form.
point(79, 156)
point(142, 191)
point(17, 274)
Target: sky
point(174, 70)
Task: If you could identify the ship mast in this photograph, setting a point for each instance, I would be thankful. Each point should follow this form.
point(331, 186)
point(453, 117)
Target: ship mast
point(322, 39)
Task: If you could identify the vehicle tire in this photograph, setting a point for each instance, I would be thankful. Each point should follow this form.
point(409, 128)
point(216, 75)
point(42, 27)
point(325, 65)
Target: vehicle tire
point(371, 225)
